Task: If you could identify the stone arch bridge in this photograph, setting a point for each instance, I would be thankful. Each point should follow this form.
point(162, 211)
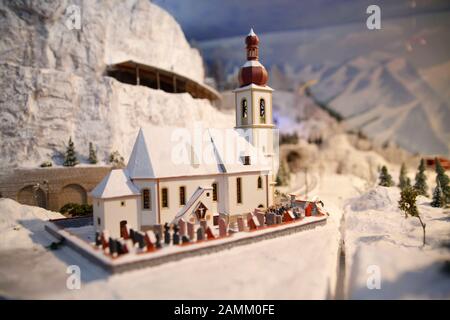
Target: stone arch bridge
point(51, 188)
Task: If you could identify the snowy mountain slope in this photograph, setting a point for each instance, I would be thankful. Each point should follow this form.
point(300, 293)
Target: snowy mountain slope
point(42, 108)
point(372, 79)
point(52, 84)
point(388, 101)
point(35, 34)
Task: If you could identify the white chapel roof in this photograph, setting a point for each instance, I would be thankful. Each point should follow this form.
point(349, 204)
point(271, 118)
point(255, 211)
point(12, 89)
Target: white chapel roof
point(115, 184)
point(161, 152)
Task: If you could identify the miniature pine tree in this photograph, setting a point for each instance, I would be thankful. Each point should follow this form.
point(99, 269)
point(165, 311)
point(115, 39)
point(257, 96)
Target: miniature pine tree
point(385, 178)
point(407, 204)
point(283, 176)
point(438, 198)
point(443, 181)
point(421, 180)
point(116, 160)
point(70, 159)
point(403, 180)
point(92, 154)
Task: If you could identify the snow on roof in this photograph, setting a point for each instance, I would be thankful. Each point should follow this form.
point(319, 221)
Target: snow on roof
point(253, 86)
point(252, 63)
point(116, 184)
point(174, 152)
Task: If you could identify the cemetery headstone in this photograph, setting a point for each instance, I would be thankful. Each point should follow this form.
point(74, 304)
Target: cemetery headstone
point(209, 233)
point(185, 239)
point(190, 230)
point(167, 234)
point(182, 226)
point(222, 227)
point(112, 247)
point(270, 218)
point(241, 226)
point(158, 240)
point(98, 240)
point(148, 242)
point(200, 234)
point(175, 236)
point(278, 219)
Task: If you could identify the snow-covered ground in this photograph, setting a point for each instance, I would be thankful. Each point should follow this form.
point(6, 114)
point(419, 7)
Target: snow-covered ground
point(305, 268)
point(300, 266)
point(378, 234)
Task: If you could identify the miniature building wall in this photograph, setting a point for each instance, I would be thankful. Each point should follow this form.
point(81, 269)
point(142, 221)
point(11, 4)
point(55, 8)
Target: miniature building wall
point(65, 184)
point(112, 212)
point(252, 197)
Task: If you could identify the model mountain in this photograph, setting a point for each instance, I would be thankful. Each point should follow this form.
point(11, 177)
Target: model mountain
point(390, 84)
point(53, 82)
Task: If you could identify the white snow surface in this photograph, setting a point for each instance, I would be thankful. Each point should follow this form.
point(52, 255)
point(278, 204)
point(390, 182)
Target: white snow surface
point(378, 234)
point(305, 268)
point(21, 226)
point(300, 266)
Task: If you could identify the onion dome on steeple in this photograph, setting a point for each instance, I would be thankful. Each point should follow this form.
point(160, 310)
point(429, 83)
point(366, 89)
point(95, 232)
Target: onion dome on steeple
point(252, 71)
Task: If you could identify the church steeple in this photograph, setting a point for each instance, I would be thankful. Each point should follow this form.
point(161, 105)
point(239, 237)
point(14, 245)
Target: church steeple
point(253, 98)
point(252, 71)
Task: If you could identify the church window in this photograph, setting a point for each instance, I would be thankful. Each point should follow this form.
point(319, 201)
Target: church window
point(262, 110)
point(146, 199)
point(244, 108)
point(239, 190)
point(165, 197)
point(259, 183)
point(214, 186)
point(182, 196)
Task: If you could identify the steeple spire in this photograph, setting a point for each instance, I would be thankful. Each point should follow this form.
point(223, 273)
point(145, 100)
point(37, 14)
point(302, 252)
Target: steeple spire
point(252, 71)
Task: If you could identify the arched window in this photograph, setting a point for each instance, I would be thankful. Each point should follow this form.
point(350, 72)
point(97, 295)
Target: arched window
point(146, 199)
point(165, 197)
point(262, 110)
point(214, 186)
point(259, 183)
point(238, 190)
point(244, 108)
point(182, 196)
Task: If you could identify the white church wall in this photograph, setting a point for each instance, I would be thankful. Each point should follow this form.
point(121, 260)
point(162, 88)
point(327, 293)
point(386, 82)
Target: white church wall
point(117, 212)
point(99, 214)
point(252, 197)
point(191, 184)
point(148, 216)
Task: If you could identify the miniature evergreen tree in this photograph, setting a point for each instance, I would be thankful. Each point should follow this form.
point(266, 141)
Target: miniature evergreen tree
point(70, 159)
point(407, 204)
point(403, 180)
point(438, 197)
point(116, 160)
point(283, 176)
point(385, 178)
point(443, 181)
point(421, 180)
point(92, 154)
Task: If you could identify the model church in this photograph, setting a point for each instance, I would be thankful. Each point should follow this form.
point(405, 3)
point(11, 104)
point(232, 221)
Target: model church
point(197, 175)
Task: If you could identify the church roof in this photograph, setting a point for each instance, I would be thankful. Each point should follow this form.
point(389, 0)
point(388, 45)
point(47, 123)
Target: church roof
point(161, 152)
point(116, 184)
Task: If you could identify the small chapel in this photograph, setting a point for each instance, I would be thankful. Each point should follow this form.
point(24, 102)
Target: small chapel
point(181, 173)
